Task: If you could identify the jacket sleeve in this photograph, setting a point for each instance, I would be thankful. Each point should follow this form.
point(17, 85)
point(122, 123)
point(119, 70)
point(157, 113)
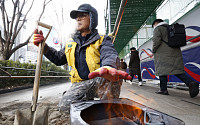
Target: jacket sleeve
point(56, 57)
point(108, 54)
point(157, 39)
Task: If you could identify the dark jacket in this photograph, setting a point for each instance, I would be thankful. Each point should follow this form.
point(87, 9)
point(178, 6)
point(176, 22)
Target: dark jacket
point(134, 64)
point(108, 55)
point(167, 60)
point(123, 65)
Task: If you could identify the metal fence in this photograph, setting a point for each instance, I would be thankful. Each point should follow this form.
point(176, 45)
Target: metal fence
point(53, 74)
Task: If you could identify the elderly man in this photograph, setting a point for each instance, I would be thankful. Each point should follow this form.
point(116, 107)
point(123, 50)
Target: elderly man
point(93, 59)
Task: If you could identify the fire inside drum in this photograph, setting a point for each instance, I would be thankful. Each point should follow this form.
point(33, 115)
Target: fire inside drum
point(118, 112)
point(113, 114)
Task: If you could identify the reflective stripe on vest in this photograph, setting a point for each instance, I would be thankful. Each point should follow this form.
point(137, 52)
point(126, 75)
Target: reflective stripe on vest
point(92, 57)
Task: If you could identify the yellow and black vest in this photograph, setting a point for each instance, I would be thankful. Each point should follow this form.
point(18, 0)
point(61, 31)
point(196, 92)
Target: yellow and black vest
point(92, 57)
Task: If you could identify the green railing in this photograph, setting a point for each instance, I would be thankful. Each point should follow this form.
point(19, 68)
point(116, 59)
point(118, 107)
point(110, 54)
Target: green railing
point(14, 74)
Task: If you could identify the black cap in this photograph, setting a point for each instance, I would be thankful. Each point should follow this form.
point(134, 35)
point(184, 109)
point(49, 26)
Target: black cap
point(133, 48)
point(92, 13)
point(81, 8)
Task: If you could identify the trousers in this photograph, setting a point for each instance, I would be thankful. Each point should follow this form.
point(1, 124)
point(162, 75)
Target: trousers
point(139, 77)
point(183, 77)
point(88, 90)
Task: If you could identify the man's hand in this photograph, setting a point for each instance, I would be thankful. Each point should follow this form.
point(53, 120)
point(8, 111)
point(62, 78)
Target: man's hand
point(110, 74)
point(38, 38)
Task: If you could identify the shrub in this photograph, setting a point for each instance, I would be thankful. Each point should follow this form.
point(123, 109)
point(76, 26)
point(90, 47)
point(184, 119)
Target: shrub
point(20, 69)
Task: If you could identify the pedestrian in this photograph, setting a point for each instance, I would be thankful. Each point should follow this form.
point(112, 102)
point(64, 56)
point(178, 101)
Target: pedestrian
point(134, 65)
point(168, 60)
point(123, 65)
point(93, 59)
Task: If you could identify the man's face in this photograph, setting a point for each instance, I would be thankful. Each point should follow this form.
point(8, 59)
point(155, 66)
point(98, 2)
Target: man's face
point(156, 23)
point(83, 21)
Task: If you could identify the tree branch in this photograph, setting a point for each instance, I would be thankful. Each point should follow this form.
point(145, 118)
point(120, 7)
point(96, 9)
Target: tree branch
point(48, 2)
point(44, 5)
point(6, 45)
point(18, 46)
point(27, 41)
point(22, 44)
point(2, 42)
point(7, 20)
point(13, 18)
point(25, 18)
point(19, 13)
point(3, 18)
point(16, 31)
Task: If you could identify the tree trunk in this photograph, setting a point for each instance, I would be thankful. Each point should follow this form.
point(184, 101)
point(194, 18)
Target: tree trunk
point(2, 56)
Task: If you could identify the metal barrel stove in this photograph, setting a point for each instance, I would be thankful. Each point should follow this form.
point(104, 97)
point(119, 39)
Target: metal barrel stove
point(118, 112)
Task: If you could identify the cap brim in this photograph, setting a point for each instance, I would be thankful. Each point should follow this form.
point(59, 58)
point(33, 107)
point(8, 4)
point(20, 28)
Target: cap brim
point(73, 13)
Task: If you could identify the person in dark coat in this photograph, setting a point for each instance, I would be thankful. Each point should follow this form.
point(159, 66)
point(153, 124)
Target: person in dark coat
point(168, 60)
point(134, 65)
point(123, 65)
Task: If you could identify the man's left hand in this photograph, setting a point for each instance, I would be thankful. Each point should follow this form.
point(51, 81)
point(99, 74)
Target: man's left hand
point(110, 74)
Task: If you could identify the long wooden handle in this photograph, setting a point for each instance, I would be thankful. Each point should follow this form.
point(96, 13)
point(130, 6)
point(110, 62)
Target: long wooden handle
point(38, 67)
point(44, 25)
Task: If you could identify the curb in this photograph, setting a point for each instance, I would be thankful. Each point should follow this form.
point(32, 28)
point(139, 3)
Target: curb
point(14, 89)
point(27, 87)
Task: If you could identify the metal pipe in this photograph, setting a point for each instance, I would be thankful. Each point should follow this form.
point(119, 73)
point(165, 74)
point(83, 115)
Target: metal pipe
point(1, 68)
point(33, 76)
point(137, 41)
point(109, 24)
point(118, 19)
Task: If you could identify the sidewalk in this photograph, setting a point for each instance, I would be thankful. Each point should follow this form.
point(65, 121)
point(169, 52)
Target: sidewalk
point(177, 104)
point(2, 91)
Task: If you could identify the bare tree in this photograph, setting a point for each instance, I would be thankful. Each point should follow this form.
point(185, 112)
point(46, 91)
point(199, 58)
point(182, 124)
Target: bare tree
point(12, 26)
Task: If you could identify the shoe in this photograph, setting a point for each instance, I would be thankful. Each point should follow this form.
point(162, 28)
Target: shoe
point(140, 84)
point(162, 92)
point(193, 89)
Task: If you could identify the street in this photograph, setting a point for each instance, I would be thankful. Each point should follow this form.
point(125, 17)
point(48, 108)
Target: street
point(50, 91)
